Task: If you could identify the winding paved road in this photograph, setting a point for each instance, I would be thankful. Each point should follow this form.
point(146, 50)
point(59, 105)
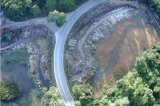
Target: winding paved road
point(61, 36)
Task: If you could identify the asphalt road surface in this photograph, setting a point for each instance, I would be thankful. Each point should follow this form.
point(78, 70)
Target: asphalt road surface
point(61, 36)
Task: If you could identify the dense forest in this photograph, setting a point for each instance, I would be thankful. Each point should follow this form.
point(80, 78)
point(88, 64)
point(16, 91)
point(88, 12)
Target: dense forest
point(18, 10)
point(140, 87)
point(24, 9)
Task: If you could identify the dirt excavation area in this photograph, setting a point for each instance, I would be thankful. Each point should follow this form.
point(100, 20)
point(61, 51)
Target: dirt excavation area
point(104, 49)
point(117, 52)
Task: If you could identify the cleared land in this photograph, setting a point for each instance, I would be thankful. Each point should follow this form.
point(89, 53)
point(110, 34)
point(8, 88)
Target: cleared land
point(102, 49)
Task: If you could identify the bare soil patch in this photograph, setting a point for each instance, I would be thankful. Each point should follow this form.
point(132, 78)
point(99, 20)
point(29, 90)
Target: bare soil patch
point(128, 44)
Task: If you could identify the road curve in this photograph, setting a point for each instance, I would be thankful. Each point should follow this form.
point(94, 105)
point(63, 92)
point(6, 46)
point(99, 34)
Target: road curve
point(61, 36)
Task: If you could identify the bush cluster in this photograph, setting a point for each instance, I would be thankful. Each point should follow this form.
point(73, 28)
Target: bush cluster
point(8, 90)
point(58, 17)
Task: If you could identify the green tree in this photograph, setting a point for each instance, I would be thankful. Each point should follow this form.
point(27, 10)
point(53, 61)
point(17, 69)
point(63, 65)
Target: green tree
point(51, 5)
point(36, 11)
point(52, 97)
point(120, 102)
point(79, 1)
point(40, 3)
point(100, 101)
point(148, 65)
point(66, 5)
point(58, 17)
point(16, 9)
point(83, 94)
point(69, 5)
point(8, 90)
point(51, 16)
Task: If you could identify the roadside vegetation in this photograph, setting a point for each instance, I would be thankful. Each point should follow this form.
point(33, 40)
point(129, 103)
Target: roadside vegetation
point(8, 90)
point(155, 4)
point(58, 17)
point(18, 10)
point(140, 87)
point(52, 97)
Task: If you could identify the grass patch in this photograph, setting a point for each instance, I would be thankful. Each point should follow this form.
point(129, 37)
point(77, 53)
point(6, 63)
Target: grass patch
point(16, 56)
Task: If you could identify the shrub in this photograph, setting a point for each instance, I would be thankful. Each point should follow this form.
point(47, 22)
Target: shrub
point(52, 97)
point(58, 17)
point(8, 90)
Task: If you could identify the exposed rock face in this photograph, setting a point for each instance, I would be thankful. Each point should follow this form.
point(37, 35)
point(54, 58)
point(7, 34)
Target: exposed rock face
point(108, 46)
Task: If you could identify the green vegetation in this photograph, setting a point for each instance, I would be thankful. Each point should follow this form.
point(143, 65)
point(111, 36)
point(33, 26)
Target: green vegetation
point(66, 5)
point(8, 90)
point(17, 9)
point(155, 4)
point(16, 56)
point(51, 5)
point(83, 94)
point(58, 17)
point(140, 87)
point(35, 97)
point(7, 36)
point(52, 97)
point(45, 44)
point(23, 9)
point(36, 11)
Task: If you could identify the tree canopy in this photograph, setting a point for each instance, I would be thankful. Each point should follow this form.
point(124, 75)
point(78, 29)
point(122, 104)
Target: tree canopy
point(8, 90)
point(52, 97)
point(23, 9)
point(58, 17)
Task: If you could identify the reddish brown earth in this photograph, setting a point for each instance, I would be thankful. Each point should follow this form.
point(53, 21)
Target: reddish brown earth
point(127, 45)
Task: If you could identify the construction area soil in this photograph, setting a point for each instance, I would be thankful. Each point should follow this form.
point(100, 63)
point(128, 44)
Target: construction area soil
point(117, 53)
point(27, 60)
point(104, 49)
